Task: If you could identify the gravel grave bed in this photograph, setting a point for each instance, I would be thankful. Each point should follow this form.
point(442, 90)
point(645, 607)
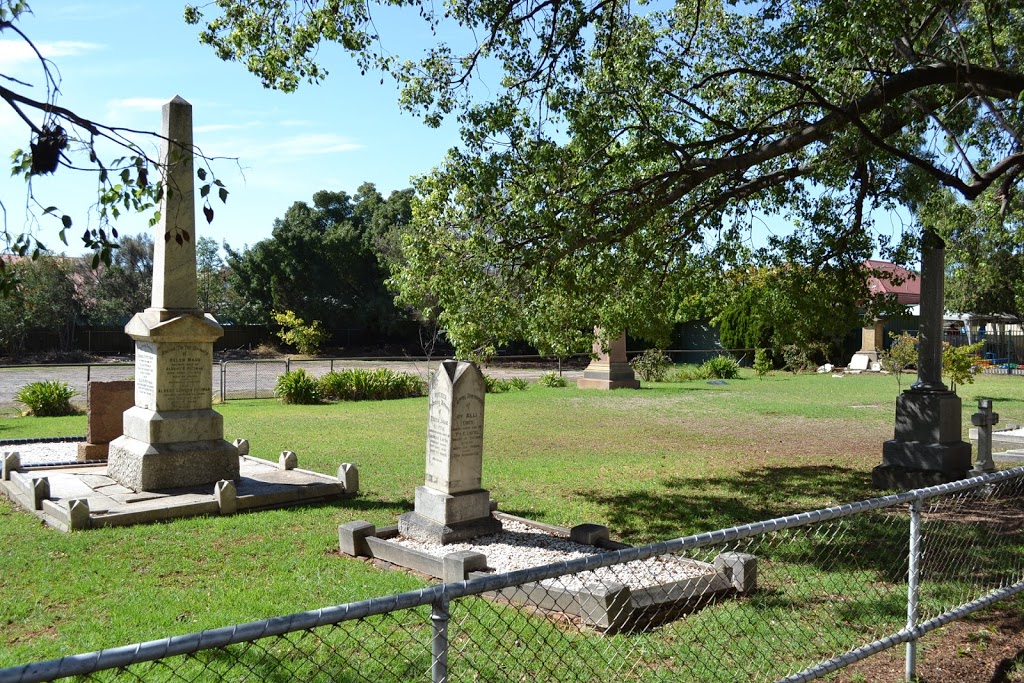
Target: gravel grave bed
point(521, 546)
point(45, 453)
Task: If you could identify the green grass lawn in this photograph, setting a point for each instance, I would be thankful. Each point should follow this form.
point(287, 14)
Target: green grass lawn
point(665, 461)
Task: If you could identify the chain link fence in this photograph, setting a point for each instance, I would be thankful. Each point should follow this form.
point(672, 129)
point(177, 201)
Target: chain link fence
point(789, 599)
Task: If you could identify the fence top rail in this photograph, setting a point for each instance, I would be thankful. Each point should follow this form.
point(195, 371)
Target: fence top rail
point(86, 663)
point(43, 366)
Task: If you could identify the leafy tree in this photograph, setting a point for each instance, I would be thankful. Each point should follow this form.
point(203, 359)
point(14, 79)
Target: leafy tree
point(211, 276)
point(621, 137)
point(984, 253)
point(110, 295)
point(43, 299)
point(61, 140)
point(958, 362)
point(306, 337)
point(901, 355)
point(321, 261)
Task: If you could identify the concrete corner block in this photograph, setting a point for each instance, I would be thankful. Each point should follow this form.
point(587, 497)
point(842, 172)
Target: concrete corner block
point(40, 492)
point(740, 569)
point(227, 496)
point(348, 475)
point(457, 565)
point(288, 460)
point(11, 463)
point(589, 534)
point(78, 514)
point(242, 445)
point(352, 538)
point(607, 605)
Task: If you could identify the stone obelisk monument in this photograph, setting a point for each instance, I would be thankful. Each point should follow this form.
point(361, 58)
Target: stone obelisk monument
point(172, 437)
point(927, 447)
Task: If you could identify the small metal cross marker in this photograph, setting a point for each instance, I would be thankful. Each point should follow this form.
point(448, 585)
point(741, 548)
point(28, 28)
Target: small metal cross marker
point(984, 420)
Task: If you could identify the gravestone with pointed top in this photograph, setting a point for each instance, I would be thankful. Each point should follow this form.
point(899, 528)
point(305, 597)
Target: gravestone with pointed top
point(451, 506)
point(172, 436)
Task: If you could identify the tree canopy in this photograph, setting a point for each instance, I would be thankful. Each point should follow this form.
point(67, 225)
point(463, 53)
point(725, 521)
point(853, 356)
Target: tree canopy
point(322, 262)
point(624, 139)
point(984, 253)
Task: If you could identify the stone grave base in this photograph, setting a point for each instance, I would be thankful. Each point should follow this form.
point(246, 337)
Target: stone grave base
point(71, 497)
point(416, 525)
point(156, 466)
point(606, 606)
point(907, 478)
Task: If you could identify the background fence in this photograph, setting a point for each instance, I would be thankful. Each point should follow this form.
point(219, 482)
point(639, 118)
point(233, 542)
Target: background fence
point(801, 596)
point(242, 379)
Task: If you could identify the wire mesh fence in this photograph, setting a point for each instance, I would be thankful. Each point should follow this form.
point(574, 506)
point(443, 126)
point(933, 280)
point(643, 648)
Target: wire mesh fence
point(792, 599)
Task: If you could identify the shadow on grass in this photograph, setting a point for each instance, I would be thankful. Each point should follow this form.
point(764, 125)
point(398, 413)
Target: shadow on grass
point(974, 537)
point(681, 505)
point(362, 503)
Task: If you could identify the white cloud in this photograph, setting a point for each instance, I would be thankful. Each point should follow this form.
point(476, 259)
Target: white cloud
point(15, 53)
point(223, 127)
point(137, 104)
point(310, 145)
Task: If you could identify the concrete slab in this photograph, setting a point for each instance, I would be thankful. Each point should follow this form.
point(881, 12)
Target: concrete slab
point(262, 484)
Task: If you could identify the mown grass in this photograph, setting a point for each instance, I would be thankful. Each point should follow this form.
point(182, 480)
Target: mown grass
point(662, 462)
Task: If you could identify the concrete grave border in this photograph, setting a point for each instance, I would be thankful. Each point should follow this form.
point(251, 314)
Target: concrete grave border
point(31, 488)
point(606, 606)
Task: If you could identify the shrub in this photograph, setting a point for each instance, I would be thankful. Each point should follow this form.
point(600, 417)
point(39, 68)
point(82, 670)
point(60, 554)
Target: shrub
point(721, 367)
point(359, 384)
point(500, 386)
point(958, 362)
point(518, 384)
point(49, 398)
point(762, 363)
point(306, 338)
point(295, 386)
point(652, 365)
point(687, 373)
point(551, 380)
point(901, 355)
point(796, 358)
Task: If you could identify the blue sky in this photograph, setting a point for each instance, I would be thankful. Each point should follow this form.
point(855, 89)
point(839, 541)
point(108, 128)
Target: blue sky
point(119, 62)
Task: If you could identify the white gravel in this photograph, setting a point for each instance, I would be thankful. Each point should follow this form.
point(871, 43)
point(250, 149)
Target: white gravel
point(520, 546)
point(46, 453)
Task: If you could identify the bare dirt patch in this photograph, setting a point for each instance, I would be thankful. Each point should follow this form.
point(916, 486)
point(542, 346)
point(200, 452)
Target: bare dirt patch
point(985, 648)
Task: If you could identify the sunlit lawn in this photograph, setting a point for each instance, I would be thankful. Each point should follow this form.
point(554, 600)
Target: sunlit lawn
point(665, 461)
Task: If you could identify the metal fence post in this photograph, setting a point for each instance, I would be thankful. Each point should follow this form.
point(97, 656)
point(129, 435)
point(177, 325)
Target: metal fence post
point(913, 578)
point(223, 383)
point(256, 379)
point(439, 616)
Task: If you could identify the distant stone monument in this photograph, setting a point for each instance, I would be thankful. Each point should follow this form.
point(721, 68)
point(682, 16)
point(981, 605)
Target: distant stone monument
point(927, 447)
point(451, 506)
point(172, 437)
point(872, 341)
point(609, 370)
point(107, 403)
